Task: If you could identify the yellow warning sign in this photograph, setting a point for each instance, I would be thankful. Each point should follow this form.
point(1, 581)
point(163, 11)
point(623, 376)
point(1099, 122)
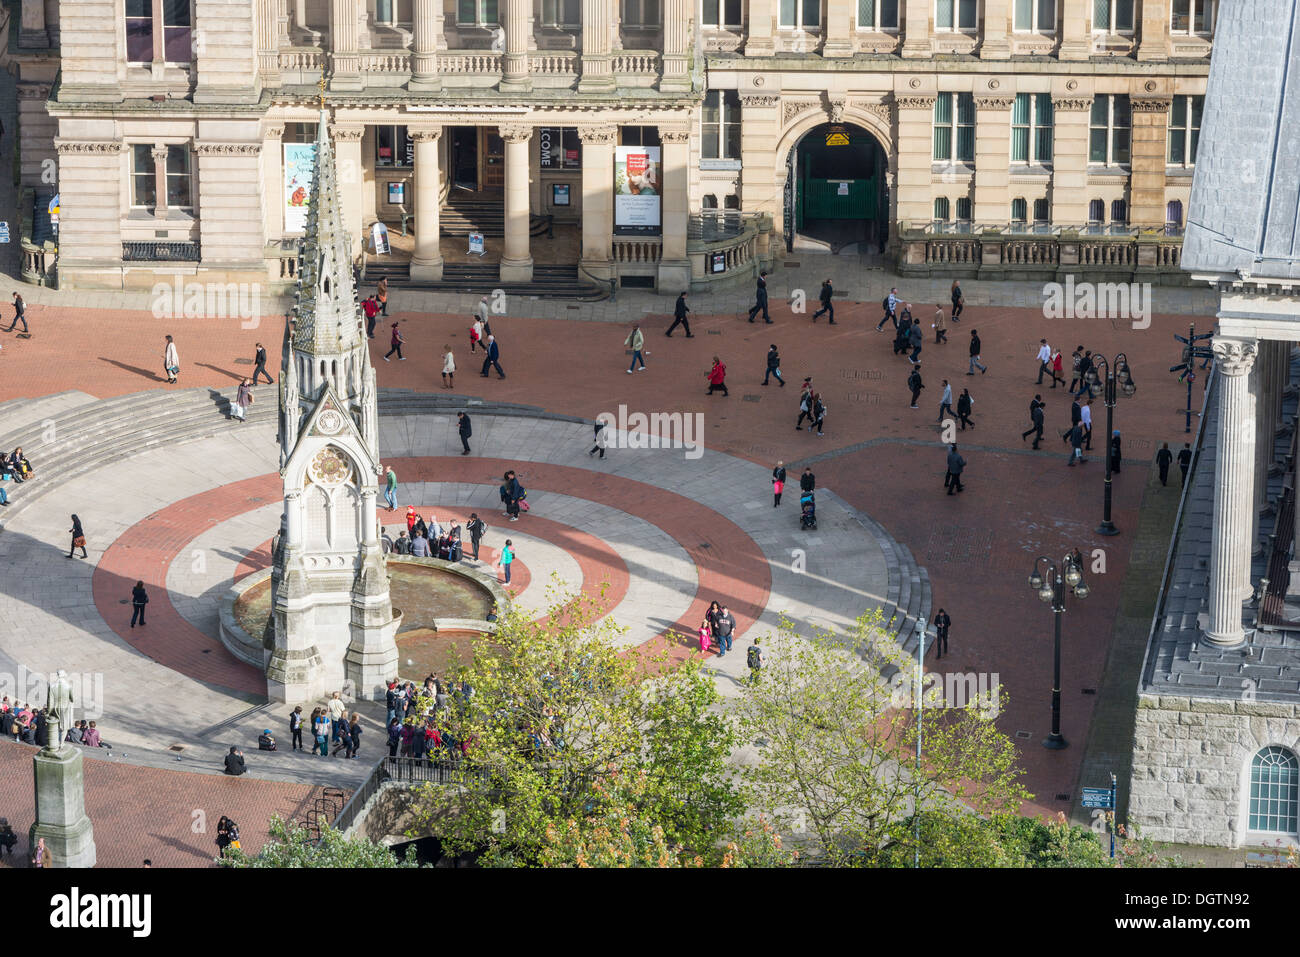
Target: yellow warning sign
point(837, 139)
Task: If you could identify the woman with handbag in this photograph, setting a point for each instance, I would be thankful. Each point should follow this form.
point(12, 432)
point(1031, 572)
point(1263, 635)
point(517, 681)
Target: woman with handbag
point(448, 368)
point(78, 538)
point(171, 360)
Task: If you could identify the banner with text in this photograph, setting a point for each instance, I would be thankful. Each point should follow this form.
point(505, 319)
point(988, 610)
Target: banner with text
point(637, 185)
point(299, 159)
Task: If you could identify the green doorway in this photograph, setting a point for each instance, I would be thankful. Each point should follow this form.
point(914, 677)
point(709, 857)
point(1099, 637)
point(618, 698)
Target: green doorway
point(836, 198)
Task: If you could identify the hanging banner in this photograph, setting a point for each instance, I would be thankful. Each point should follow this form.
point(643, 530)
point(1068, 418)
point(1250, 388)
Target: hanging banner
point(637, 185)
point(379, 239)
point(299, 159)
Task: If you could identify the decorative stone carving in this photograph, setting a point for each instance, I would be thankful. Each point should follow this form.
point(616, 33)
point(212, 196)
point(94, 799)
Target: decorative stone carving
point(914, 82)
point(1072, 85)
point(836, 106)
point(1150, 104)
point(598, 135)
point(66, 146)
point(765, 100)
point(1150, 86)
point(516, 134)
point(426, 136)
point(228, 149)
point(1234, 357)
point(273, 132)
point(882, 110)
point(915, 102)
point(1071, 104)
point(674, 136)
point(994, 102)
point(34, 91)
point(793, 108)
point(346, 134)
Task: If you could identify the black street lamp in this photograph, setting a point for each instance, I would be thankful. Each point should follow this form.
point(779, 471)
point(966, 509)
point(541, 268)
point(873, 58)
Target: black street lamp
point(1117, 378)
point(1052, 588)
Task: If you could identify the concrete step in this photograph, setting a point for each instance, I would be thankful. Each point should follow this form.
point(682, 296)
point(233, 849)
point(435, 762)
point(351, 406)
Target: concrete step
point(19, 415)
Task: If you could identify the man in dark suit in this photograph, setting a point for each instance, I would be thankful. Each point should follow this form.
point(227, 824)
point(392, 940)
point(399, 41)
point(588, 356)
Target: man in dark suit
point(1036, 421)
point(465, 431)
point(941, 624)
point(679, 317)
point(825, 297)
point(760, 298)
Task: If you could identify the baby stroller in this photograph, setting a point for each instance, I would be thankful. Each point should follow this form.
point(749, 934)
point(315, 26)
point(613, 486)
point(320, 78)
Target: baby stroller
point(807, 511)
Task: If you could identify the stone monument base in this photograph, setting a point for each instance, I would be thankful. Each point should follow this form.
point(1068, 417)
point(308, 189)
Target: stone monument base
point(61, 810)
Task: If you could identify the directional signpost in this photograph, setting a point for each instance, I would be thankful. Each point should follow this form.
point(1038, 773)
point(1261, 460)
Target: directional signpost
point(1192, 352)
point(1104, 799)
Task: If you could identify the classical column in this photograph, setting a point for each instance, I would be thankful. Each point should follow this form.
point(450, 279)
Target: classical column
point(1260, 387)
point(597, 74)
point(678, 18)
point(424, 62)
point(516, 262)
point(1153, 31)
point(268, 42)
point(1233, 493)
point(1076, 44)
point(674, 267)
point(514, 64)
point(598, 199)
point(995, 44)
point(1150, 118)
point(993, 158)
point(916, 28)
point(273, 181)
point(1070, 115)
point(426, 263)
point(159, 154)
point(839, 28)
point(344, 58)
point(347, 161)
point(758, 35)
point(915, 150)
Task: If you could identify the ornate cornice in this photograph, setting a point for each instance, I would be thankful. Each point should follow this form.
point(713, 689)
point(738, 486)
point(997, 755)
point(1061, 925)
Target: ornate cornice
point(674, 136)
point(1150, 104)
point(228, 149)
point(426, 135)
point(516, 134)
point(882, 110)
point(75, 146)
point(598, 135)
point(994, 102)
point(1234, 357)
point(273, 132)
point(793, 108)
point(911, 102)
point(347, 134)
point(766, 100)
point(1071, 104)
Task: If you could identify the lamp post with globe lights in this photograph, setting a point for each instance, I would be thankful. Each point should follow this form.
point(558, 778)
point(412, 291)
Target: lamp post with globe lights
point(1051, 588)
point(1116, 379)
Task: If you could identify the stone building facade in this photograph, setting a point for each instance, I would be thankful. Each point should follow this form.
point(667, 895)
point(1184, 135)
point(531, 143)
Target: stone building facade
point(957, 136)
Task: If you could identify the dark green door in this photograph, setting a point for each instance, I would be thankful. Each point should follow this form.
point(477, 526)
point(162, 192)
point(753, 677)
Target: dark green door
point(837, 175)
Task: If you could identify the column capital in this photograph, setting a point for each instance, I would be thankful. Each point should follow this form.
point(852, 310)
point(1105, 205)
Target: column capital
point(1234, 357)
point(347, 134)
point(674, 136)
point(907, 102)
point(73, 146)
point(425, 135)
point(1072, 104)
point(273, 132)
point(763, 100)
point(516, 134)
point(598, 135)
point(225, 149)
point(159, 153)
point(994, 102)
point(1150, 104)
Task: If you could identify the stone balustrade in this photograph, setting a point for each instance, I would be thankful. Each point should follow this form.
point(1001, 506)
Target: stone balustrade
point(637, 251)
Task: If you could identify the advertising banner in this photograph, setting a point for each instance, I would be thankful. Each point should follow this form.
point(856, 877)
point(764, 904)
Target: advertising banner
point(637, 185)
point(298, 161)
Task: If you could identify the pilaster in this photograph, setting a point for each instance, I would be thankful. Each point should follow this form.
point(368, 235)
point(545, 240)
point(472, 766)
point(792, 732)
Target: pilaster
point(428, 18)
point(1070, 115)
point(839, 28)
point(679, 15)
point(760, 31)
point(597, 71)
point(598, 199)
point(915, 152)
point(993, 158)
point(916, 28)
point(1076, 43)
point(1153, 31)
point(996, 44)
point(1150, 118)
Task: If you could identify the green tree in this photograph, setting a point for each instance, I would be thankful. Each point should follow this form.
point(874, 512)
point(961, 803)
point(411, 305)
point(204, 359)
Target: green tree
point(837, 745)
point(292, 845)
point(564, 728)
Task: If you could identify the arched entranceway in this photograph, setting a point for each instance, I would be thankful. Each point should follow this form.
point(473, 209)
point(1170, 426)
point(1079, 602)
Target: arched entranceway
point(836, 198)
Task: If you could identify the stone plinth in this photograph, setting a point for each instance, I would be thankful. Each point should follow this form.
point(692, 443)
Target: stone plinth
point(61, 808)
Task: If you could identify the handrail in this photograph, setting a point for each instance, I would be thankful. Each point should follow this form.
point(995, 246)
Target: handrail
point(1149, 659)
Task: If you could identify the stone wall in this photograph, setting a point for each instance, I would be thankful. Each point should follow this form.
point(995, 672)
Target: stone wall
point(1191, 765)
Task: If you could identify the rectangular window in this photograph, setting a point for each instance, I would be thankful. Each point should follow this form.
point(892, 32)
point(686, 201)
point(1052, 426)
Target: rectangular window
point(878, 15)
point(1119, 212)
point(477, 13)
point(144, 178)
point(177, 46)
point(1031, 128)
point(390, 146)
point(559, 148)
point(1184, 129)
point(641, 13)
point(1108, 134)
point(1192, 17)
point(178, 177)
point(1035, 16)
point(1042, 212)
point(719, 14)
point(954, 128)
point(1112, 16)
point(562, 13)
point(638, 136)
point(956, 15)
point(720, 125)
point(963, 209)
point(800, 14)
point(941, 209)
point(1019, 211)
point(139, 31)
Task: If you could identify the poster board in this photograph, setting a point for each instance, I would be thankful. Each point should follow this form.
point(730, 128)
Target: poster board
point(299, 163)
point(638, 182)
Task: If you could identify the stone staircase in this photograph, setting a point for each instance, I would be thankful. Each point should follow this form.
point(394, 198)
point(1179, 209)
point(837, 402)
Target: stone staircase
point(483, 278)
point(461, 216)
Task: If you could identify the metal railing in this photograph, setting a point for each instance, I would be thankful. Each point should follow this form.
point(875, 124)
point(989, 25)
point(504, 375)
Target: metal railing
point(159, 252)
point(403, 770)
point(712, 225)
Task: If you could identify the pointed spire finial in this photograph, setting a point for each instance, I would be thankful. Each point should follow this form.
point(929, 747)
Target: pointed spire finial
point(321, 85)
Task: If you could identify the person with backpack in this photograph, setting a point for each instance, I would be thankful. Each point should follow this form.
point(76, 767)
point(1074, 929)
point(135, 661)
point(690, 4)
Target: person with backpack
point(825, 298)
point(477, 529)
point(754, 659)
point(915, 384)
point(888, 304)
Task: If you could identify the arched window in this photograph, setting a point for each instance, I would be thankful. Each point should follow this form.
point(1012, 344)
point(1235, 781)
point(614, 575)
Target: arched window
point(1274, 791)
point(1042, 211)
point(1119, 212)
point(1097, 211)
point(732, 201)
point(1019, 211)
point(963, 208)
point(710, 201)
point(1174, 212)
point(941, 209)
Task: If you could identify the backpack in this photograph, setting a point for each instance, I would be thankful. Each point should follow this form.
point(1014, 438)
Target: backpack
point(752, 657)
point(884, 304)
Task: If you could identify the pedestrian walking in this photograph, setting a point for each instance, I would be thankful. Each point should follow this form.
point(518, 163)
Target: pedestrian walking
point(807, 481)
point(259, 365)
point(1057, 369)
point(945, 400)
point(1035, 429)
point(370, 306)
point(390, 489)
point(805, 408)
point(680, 311)
point(171, 360)
point(507, 559)
point(956, 465)
point(1163, 460)
point(20, 314)
point(476, 335)
point(1085, 420)
point(1115, 452)
point(139, 598)
point(760, 298)
point(1085, 366)
point(914, 338)
point(1075, 438)
point(599, 438)
point(825, 298)
point(818, 413)
point(902, 332)
point(939, 325)
point(78, 538)
point(889, 303)
point(717, 376)
point(295, 729)
point(964, 403)
point(941, 625)
point(636, 342)
point(915, 384)
point(396, 344)
point(354, 731)
point(1185, 460)
point(448, 368)
point(958, 302)
point(778, 483)
point(706, 636)
point(381, 293)
point(1075, 359)
point(724, 630)
point(477, 529)
point(975, 355)
point(773, 365)
point(465, 430)
point(243, 399)
point(754, 660)
point(482, 312)
point(1044, 361)
point(493, 359)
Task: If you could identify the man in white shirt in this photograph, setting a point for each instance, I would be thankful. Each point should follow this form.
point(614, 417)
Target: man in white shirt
point(1044, 360)
point(1085, 419)
point(336, 707)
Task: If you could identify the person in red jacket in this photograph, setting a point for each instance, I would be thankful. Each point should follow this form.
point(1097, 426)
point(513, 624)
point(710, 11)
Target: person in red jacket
point(371, 309)
point(717, 375)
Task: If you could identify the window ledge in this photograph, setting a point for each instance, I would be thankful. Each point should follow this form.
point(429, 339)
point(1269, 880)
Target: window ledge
point(1030, 169)
point(716, 164)
point(1180, 172)
point(1116, 171)
point(169, 217)
point(960, 169)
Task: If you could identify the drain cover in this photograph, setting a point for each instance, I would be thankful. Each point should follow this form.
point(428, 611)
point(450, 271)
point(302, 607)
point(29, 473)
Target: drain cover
point(1089, 690)
point(177, 747)
point(1063, 797)
point(243, 362)
point(1024, 734)
point(714, 332)
point(753, 398)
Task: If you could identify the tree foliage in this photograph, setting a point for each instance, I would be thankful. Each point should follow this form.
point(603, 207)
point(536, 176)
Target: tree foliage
point(292, 845)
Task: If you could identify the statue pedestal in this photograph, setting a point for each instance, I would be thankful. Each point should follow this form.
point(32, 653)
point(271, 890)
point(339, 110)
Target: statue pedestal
point(61, 810)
